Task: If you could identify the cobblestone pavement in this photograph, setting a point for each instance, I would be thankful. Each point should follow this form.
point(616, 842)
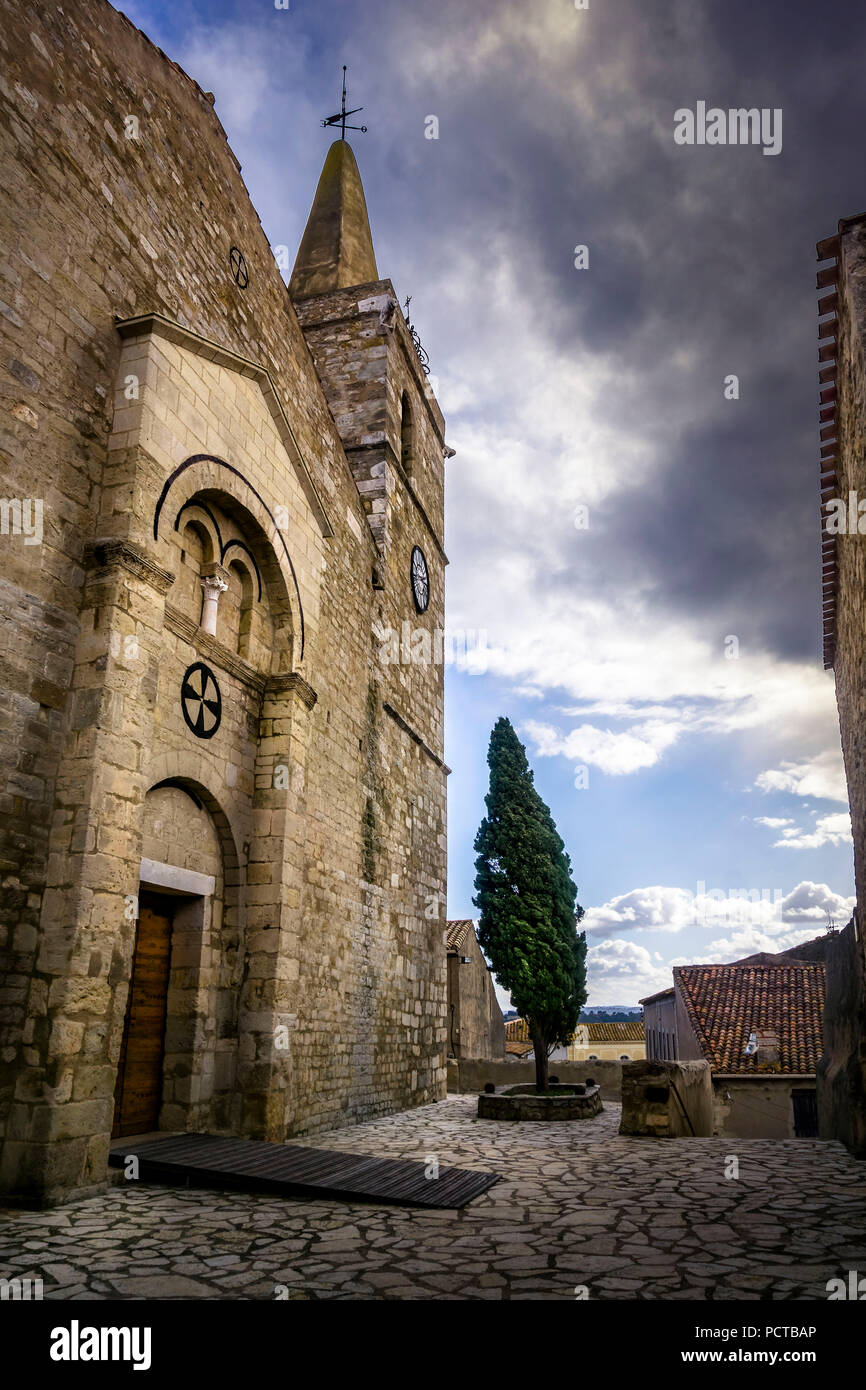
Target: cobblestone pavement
point(577, 1205)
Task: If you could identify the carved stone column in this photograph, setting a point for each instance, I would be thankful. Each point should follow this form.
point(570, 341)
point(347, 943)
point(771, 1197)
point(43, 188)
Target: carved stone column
point(214, 581)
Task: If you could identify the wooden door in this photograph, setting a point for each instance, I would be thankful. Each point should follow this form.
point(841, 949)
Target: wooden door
point(138, 1094)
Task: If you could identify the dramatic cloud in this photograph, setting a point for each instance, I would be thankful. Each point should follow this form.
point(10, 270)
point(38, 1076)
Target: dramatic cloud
point(667, 909)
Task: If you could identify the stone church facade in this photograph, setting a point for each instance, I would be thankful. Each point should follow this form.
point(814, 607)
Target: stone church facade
point(222, 810)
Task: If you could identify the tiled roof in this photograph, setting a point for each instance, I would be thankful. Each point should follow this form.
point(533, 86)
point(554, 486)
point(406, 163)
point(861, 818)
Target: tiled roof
point(654, 998)
point(725, 1003)
point(615, 1032)
point(518, 1049)
point(456, 933)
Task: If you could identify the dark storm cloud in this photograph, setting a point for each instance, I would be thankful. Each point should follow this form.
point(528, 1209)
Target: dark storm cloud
point(556, 128)
point(698, 253)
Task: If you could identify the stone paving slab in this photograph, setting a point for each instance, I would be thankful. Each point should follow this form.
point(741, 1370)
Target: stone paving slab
point(577, 1205)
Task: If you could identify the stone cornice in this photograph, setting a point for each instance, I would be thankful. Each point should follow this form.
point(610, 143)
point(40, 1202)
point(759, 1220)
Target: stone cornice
point(219, 655)
point(187, 629)
point(416, 738)
point(157, 325)
point(291, 683)
point(106, 555)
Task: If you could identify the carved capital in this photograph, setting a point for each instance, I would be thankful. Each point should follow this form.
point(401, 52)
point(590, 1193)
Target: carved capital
point(213, 585)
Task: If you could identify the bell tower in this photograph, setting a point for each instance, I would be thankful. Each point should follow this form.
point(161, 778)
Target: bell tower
point(392, 428)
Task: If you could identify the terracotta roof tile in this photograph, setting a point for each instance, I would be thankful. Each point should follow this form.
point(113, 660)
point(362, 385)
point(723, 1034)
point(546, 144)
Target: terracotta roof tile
point(456, 933)
point(616, 1032)
point(725, 1003)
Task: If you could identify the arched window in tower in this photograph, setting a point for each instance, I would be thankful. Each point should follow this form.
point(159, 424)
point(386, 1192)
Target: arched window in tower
point(237, 608)
point(197, 551)
point(407, 435)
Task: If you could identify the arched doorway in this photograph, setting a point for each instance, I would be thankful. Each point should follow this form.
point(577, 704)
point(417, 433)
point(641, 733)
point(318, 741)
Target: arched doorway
point(176, 1065)
point(138, 1093)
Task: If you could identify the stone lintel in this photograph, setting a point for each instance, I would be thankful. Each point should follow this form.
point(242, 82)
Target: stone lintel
point(169, 878)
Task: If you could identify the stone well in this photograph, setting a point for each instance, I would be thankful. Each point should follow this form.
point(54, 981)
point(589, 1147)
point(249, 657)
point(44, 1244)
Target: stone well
point(523, 1103)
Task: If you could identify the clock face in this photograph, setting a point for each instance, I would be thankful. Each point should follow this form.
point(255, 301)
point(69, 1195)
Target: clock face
point(200, 700)
point(420, 580)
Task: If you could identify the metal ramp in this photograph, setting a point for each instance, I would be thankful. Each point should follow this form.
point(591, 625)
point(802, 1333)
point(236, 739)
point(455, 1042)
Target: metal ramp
point(255, 1165)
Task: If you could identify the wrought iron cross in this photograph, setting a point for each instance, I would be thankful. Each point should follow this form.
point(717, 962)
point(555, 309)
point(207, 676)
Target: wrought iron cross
point(340, 118)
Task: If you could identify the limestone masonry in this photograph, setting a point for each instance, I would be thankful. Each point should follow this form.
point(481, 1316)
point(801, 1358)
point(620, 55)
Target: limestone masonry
point(222, 814)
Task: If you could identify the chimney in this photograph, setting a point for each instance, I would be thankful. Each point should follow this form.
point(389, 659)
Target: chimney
point(768, 1048)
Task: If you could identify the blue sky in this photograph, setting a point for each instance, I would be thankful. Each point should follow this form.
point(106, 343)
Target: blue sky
point(607, 631)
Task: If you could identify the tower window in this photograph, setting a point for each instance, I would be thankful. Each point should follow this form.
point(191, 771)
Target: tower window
point(407, 435)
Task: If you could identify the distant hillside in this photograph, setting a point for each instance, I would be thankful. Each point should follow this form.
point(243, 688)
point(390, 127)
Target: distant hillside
point(614, 1013)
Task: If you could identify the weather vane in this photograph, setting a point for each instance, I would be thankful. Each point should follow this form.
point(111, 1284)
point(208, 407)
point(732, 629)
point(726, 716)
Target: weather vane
point(340, 118)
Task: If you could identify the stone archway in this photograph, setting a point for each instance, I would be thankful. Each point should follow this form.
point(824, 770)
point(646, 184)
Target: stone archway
point(178, 1056)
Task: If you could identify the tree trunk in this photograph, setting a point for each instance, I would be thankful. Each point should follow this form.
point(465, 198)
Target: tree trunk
point(540, 1050)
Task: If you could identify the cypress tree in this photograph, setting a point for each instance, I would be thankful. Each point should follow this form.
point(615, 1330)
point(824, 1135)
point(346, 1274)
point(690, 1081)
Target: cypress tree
point(528, 902)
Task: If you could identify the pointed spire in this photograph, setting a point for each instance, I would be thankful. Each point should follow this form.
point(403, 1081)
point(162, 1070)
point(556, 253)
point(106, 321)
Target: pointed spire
point(336, 249)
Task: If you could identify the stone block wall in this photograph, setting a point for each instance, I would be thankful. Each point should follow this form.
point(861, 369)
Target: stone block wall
point(667, 1100)
point(841, 1079)
point(471, 1075)
point(476, 1026)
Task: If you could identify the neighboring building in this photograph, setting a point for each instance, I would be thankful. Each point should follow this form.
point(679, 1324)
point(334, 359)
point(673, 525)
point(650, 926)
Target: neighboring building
point(591, 1042)
point(476, 1027)
point(607, 1042)
point(842, 387)
point(660, 1025)
point(223, 845)
point(518, 1044)
point(759, 1027)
